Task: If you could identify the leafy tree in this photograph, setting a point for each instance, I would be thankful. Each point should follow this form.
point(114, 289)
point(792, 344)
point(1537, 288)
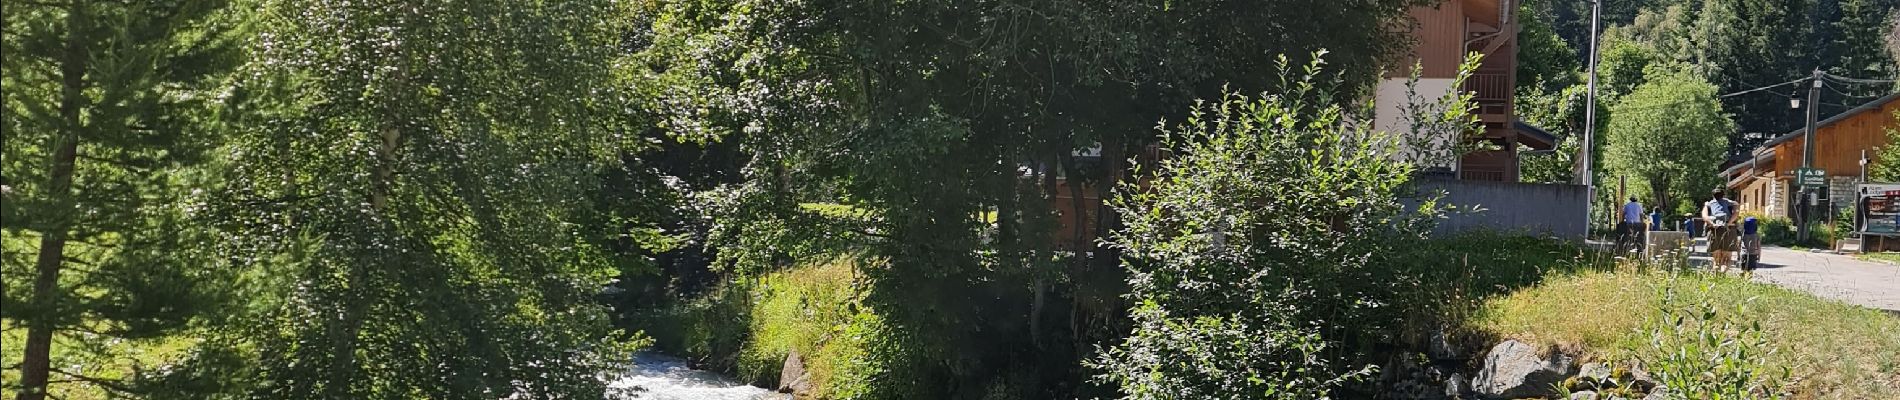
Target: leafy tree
point(925, 115)
point(1543, 59)
point(1622, 68)
point(1753, 43)
point(1669, 135)
point(1886, 164)
point(111, 109)
point(1249, 248)
point(1561, 113)
point(417, 193)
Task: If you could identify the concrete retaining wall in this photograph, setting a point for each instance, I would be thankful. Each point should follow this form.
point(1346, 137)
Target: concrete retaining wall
point(1510, 207)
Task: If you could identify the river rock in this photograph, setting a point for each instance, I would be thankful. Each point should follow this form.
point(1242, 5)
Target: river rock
point(1584, 395)
point(1658, 393)
point(792, 377)
point(1440, 347)
point(1457, 387)
point(1513, 369)
point(1595, 371)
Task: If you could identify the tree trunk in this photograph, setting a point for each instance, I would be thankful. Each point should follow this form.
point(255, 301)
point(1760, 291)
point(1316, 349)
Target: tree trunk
point(1077, 208)
point(35, 364)
point(1114, 164)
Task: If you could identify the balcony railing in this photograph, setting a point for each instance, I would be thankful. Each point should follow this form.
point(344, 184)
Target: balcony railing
point(1491, 91)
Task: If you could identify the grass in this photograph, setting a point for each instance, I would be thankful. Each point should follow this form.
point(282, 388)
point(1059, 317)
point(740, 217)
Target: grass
point(802, 310)
point(1833, 350)
point(813, 309)
point(1885, 257)
point(97, 358)
point(104, 358)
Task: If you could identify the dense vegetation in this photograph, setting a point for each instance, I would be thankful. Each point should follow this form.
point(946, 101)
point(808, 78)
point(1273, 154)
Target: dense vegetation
point(503, 198)
point(1828, 349)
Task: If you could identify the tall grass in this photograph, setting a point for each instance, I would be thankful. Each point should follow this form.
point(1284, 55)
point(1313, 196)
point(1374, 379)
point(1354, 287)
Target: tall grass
point(749, 327)
point(1832, 350)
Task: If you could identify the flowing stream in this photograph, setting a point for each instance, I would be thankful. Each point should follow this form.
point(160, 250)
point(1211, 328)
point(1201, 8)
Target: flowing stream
point(660, 377)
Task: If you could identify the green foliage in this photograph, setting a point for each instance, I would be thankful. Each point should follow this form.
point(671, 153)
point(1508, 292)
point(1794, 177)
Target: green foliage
point(418, 193)
point(1623, 67)
point(934, 118)
point(1560, 113)
point(1856, 43)
point(814, 309)
point(1254, 244)
point(1774, 230)
point(1886, 163)
point(113, 112)
point(1544, 60)
point(1438, 131)
point(1667, 136)
point(1833, 350)
point(1443, 281)
point(1707, 352)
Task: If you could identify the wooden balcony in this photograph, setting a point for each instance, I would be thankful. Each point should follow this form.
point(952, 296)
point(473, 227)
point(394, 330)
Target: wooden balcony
point(1492, 93)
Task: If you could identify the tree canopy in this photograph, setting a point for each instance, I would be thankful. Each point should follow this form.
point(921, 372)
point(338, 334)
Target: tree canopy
point(1669, 135)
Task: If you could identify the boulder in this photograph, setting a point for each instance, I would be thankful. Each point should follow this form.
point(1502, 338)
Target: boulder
point(1440, 348)
point(1584, 395)
point(1659, 393)
point(792, 377)
point(1595, 371)
point(1513, 369)
point(1457, 387)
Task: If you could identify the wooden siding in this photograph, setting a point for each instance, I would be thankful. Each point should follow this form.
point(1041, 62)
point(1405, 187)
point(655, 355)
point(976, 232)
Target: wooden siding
point(1837, 146)
point(1440, 32)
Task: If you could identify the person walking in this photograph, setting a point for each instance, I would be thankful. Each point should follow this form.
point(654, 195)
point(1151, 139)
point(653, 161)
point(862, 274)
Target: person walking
point(1719, 215)
point(1632, 230)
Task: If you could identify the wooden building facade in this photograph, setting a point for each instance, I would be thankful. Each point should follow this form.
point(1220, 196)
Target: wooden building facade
point(1764, 183)
point(1445, 34)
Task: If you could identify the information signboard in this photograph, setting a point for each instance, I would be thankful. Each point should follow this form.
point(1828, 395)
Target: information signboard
point(1879, 209)
point(1810, 177)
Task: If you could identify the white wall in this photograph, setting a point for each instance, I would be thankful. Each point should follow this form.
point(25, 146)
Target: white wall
point(1390, 100)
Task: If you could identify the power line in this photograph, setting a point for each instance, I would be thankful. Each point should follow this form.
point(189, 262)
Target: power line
point(1864, 81)
point(1733, 94)
point(1799, 80)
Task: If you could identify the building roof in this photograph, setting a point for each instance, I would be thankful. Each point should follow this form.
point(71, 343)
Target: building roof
point(1533, 136)
point(1757, 157)
point(1872, 105)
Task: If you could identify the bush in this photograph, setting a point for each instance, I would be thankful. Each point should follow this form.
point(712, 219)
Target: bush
point(1775, 230)
point(814, 309)
point(1707, 353)
point(1259, 251)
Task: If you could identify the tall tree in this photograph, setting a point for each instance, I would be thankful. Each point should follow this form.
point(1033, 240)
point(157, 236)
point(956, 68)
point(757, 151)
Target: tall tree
point(419, 188)
point(1669, 135)
point(926, 113)
point(1544, 59)
point(1854, 42)
point(1755, 43)
point(110, 108)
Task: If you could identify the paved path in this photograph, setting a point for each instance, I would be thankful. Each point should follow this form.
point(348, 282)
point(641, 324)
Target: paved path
point(1834, 276)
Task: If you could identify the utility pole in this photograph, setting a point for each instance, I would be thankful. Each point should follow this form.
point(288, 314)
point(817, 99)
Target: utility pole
point(1590, 112)
point(1808, 195)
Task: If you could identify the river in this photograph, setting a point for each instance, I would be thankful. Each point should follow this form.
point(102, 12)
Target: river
point(657, 376)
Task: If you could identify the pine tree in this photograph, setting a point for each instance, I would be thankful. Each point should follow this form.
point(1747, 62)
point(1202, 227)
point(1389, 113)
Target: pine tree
point(1858, 47)
point(110, 109)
